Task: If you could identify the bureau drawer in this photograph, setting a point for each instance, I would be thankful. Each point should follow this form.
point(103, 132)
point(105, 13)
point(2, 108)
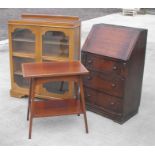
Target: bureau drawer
point(101, 64)
point(90, 95)
point(103, 101)
point(111, 85)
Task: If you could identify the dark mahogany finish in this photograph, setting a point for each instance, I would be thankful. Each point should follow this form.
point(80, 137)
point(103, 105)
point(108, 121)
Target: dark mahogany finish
point(115, 57)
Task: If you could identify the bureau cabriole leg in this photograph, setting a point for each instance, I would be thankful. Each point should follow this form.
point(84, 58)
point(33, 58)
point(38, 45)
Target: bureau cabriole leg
point(31, 106)
point(83, 104)
point(29, 101)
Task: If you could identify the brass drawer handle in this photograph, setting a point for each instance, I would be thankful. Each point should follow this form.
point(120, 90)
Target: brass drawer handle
point(89, 78)
point(88, 95)
point(90, 61)
point(113, 85)
point(122, 78)
point(114, 67)
point(124, 64)
point(112, 103)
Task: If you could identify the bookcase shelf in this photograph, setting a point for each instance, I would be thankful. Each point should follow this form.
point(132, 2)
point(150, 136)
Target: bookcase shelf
point(23, 54)
point(56, 43)
point(23, 40)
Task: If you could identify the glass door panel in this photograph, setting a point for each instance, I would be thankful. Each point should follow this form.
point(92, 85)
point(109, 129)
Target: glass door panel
point(55, 44)
point(18, 76)
point(60, 88)
point(56, 87)
point(23, 40)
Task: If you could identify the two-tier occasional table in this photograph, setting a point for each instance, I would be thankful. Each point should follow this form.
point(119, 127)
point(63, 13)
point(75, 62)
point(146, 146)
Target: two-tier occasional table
point(40, 73)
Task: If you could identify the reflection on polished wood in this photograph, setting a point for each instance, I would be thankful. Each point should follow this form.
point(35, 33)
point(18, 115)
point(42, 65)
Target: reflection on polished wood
point(53, 69)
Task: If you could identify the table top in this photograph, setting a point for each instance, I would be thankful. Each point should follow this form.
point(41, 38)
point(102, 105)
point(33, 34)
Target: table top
point(53, 69)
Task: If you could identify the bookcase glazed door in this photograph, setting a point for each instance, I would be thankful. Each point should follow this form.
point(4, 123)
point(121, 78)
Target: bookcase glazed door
point(55, 47)
point(22, 49)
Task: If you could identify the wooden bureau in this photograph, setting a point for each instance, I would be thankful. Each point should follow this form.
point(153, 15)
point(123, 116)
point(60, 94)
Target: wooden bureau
point(115, 57)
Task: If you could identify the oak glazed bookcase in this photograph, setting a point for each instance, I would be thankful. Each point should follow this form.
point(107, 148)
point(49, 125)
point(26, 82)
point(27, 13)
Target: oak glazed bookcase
point(42, 38)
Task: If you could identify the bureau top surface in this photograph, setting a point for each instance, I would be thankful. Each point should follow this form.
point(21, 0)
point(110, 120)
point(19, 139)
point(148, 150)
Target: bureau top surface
point(53, 69)
point(47, 20)
point(112, 41)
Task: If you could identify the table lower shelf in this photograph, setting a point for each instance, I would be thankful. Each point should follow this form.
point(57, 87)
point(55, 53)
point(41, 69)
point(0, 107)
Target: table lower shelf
point(56, 107)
